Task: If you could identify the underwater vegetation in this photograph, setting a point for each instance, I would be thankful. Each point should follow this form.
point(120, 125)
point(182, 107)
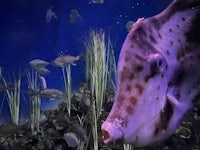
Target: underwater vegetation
point(146, 68)
point(75, 122)
point(99, 68)
point(12, 96)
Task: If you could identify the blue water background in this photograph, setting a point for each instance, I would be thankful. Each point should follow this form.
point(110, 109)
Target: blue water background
point(25, 35)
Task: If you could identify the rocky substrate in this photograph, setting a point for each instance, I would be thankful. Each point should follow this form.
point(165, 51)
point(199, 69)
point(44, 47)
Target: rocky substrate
point(58, 131)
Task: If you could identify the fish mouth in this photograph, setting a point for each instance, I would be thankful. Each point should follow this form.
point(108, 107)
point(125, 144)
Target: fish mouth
point(112, 135)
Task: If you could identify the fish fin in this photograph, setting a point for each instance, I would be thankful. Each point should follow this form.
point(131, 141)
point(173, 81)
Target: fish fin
point(43, 82)
point(139, 20)
point(32, 92)
point(178, 104)
point(81, 56)
point(74, 64)
point(173, 100)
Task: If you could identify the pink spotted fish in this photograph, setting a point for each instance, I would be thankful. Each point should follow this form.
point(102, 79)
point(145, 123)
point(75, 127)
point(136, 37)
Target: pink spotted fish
point(158, 76)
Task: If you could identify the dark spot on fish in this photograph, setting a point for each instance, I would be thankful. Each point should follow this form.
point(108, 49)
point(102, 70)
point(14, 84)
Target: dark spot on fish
point(170, 30)
point(126, 59)
point(139, 38)
point(139, 68)
point(166, 114)
point(167, 52)
point(156, 131)
point(189, 91)
point(133, 100)
point(178, 26)
point(139, 88)
point(157, 98)
point(159, 36)
point(153, 39)
point(158, 87)
point(123, 121)
point(150, 30)
point(179, 40)
point(126, 74)
point(146, 79)
point(171, 43)
point(162, 75)
point(156, 23)
point(139, 32)
point(132, 46)
point(137, 137)
point(121, 98)
point(130, 109)
point(183, 19)
point(128, 88)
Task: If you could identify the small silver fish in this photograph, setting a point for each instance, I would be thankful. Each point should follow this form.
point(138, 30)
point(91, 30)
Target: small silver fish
point(50, 14)
point(96, 1)
point(64, 60)
point(43, 82)
point(4, 88)
point(52, 94)
point(43, 71)
point(158, 76)
point(38, 63)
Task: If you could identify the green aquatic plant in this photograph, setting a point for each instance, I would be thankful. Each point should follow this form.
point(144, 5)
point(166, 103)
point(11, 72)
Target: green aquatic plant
point(96, 68)
point(96, 76)
point(67, 82)
point(82, 121)
point(13, 97)
point(111, 66)
point(35, 100)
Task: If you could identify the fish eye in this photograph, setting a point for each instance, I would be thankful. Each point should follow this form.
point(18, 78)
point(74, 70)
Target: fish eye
point(158, 63)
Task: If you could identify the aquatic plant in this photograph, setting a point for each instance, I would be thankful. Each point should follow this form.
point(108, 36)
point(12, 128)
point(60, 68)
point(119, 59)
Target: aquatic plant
point(35, 101)
point(82, 145)
point(96, 69)
point(13, 98)
point(65, 62)
point(128, 147)
point(67, 82)
point(96, 75)
point(111, 66)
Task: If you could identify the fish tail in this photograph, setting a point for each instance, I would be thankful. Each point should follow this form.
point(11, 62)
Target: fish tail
point(80, 56)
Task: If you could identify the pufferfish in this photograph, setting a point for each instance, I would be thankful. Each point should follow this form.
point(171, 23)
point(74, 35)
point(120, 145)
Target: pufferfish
point(158, 76)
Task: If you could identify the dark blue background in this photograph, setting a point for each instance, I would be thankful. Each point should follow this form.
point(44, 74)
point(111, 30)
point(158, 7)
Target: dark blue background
point(25, 35)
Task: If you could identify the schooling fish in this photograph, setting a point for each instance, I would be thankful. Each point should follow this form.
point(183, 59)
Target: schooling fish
point(158, 76)
point(64, 60)
point(52, 94)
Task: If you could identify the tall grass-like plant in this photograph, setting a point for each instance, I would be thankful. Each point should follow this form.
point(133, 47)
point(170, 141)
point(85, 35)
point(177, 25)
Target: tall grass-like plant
point(96, 76)
point(35, 101)
point(13, 99)
point(67, 82)
point(96, 68)
point(82, 145)
point(111, 66)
